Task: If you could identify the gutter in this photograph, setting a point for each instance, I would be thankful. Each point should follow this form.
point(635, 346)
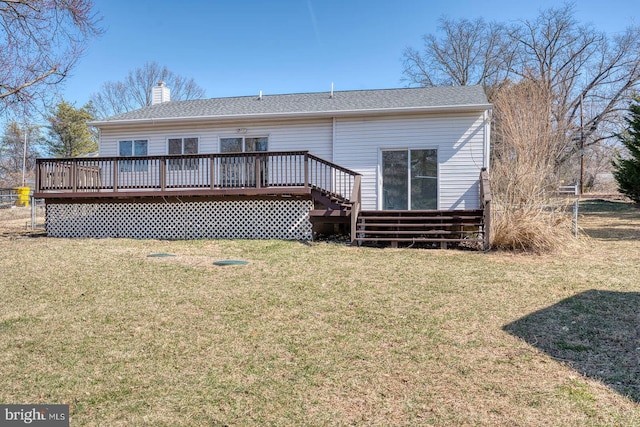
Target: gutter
point(291, 115)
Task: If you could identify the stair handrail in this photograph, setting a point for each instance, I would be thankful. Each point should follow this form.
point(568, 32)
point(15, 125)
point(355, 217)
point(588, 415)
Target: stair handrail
point(331, 178)
point(485, 203)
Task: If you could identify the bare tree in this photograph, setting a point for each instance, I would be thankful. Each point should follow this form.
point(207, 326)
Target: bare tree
point(469, 53)
point(588, 76)
point(116, 97)
point(40, 42)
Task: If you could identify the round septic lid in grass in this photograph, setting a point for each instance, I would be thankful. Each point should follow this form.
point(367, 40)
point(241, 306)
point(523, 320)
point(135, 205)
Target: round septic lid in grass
point(231, 262)
point(159, 255)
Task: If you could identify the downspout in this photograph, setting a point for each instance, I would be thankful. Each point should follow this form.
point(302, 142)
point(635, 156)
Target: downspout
point(487, 137)
point(99, 141)
point(333, 140)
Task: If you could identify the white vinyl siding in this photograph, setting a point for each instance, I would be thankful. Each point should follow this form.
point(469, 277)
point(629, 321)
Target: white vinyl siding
point(314, 136)
point(353, 143)
point(459, 141)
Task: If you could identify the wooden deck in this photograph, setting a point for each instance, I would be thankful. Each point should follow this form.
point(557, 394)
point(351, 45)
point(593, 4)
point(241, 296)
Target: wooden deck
point(223, 176)
point(254, 173)
point(334, 190)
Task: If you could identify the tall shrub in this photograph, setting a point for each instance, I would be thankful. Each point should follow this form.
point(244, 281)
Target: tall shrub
point(526, 149)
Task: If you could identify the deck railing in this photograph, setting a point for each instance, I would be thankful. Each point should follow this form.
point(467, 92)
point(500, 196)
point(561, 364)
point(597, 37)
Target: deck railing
point(84, 176)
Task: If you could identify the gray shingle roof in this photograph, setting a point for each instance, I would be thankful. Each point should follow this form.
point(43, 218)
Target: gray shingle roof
point(312, 104)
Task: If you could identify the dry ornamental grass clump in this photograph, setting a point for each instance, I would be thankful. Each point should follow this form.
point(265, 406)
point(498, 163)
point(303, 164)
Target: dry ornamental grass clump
point(531, 228)
point(523, 173)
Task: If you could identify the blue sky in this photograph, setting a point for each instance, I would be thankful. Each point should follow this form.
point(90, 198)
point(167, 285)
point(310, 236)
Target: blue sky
point(239, 47)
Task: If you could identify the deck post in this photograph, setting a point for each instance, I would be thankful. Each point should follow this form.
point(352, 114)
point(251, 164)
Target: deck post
point(115, 175)
point(487, 226)
point(306, 170)
point(355, 206)
point(38, 176)
point(163, 173)
point(73, 176)
point(258, 160)
point(212, 172)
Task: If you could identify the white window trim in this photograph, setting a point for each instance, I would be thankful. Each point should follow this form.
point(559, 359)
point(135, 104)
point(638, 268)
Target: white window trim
point(122, 168)
point(243, 137)
point(380, 178)
point(182, 137)
point(132, 140)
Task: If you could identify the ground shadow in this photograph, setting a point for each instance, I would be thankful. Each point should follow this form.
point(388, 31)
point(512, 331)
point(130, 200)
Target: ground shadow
point(596, 332)
point(611, 208)
point(617, 219)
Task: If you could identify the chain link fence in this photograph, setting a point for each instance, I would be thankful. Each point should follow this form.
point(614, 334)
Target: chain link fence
point(568, 192)
point(20, 212)
point(8, 198)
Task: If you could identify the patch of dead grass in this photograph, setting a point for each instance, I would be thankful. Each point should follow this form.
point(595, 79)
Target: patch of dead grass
point(15, 222)
point(317, 334)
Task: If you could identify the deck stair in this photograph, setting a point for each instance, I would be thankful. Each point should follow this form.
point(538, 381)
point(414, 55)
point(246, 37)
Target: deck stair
point(430, 228)
point(330, 208)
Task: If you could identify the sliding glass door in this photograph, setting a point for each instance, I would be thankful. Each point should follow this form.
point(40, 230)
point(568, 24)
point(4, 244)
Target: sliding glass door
point(395, 194)
point(410, 179)
point(241, 171)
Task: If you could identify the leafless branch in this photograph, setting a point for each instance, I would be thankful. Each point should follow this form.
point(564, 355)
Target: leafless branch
point(134, 91)
point(40, 41)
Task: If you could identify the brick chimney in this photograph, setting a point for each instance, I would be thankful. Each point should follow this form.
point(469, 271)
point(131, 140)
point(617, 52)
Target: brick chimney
point(160, 94)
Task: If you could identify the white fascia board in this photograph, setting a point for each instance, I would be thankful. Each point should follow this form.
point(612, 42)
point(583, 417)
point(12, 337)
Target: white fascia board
point(293, 115)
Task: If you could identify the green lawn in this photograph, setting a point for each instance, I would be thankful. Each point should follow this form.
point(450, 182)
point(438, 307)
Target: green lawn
point(325, 334)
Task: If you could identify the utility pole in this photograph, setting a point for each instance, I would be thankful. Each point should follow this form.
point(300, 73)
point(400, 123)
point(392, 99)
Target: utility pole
point(24, 155)
point(581, 148)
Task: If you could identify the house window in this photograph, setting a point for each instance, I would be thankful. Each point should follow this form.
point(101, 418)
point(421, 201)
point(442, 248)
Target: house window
point(410, 179)
point(182, 146)
point(242, 171)
point(241, 144)
point(133, 148)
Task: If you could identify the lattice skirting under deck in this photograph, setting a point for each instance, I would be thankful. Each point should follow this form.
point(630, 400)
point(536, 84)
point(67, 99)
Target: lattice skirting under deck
point(240, 219)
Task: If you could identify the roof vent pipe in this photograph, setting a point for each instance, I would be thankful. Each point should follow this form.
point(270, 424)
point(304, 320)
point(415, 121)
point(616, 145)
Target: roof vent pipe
point(331, 90)
point(260, 96)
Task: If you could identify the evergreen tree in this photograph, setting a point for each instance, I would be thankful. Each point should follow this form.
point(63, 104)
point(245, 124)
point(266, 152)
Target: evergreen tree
point(69, 134)
point(627, 169)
